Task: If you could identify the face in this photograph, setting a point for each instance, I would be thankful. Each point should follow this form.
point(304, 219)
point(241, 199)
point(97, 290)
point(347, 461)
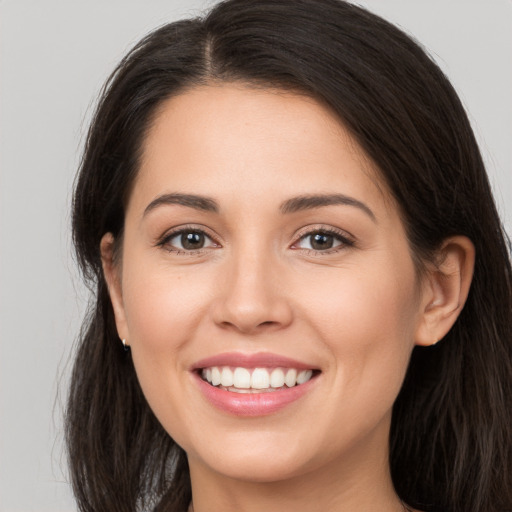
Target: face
point(266, 286)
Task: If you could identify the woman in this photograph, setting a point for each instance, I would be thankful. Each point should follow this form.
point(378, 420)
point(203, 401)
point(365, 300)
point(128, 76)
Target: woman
point(303, 289)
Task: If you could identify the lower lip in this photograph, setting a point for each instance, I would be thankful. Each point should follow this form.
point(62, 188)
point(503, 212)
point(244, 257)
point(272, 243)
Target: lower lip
point(253, 404)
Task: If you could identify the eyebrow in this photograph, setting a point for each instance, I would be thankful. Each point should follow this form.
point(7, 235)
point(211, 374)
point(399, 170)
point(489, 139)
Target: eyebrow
point(190, 200)
point(295, 204)
point(309, 202)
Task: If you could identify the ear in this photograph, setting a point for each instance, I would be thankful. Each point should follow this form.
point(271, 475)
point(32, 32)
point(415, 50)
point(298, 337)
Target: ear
point(445, 289)
point(112, 273)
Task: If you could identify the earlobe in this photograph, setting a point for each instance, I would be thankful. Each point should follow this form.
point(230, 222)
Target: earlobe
point(446, 289)
point(112, 275)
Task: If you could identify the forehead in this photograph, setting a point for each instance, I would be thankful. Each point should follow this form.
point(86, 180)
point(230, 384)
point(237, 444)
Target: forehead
point(230, 138)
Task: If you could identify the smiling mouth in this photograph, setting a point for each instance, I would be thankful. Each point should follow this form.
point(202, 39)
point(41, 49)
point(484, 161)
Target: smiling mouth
point(255, 380)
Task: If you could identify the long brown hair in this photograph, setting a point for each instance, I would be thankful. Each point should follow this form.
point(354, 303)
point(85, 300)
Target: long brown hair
point(451, 434)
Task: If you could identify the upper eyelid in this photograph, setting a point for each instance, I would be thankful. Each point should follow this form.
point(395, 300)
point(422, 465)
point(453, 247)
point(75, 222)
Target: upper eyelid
point(171, 233)
point(163, 242)
point(309, 230)
point(299, 234)
point(346, 240)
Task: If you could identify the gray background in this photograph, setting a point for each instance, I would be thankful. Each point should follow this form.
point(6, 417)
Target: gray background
point(54, 56)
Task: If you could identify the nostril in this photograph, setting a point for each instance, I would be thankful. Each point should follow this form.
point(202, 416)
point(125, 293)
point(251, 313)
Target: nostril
point(250, 327)
point(268, 322)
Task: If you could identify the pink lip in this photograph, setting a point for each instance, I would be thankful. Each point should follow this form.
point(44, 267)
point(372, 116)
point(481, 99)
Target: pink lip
point(258, 360)
point(252, 404)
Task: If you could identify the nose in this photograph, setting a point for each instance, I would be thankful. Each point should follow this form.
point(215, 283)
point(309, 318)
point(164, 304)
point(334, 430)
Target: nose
point(252, 296)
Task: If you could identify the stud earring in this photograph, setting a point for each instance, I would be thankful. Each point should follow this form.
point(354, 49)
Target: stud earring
point(126, 347)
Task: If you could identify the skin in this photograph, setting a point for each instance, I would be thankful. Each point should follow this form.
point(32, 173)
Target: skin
point(354, 311)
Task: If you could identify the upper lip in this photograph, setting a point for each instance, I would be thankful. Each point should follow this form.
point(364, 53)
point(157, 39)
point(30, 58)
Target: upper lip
point(257, 360)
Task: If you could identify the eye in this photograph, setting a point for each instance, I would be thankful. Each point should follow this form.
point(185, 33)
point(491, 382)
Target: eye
point(187, 240)
point(322, 240)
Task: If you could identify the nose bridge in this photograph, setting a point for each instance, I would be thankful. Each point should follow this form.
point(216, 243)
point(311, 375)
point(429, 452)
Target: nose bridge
point(252, 298)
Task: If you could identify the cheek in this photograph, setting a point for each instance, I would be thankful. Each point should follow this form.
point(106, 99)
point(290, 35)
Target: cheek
point(365, 298)
point(366, 321)
point(367, 318)
point(161, 306)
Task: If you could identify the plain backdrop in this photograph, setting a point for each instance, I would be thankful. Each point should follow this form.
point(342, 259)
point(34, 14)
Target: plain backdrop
point(54, 57)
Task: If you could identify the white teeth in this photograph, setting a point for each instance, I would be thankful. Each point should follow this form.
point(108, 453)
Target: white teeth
point(277, 378)
point(241, 379)
point(215, 376)
point(291, 377)
point(304, 376)
point(226, 377)
point(260, 379)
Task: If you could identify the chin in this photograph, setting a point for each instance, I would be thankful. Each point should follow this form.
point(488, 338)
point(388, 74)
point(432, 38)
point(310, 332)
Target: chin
point(256, 457)
point(260, 468)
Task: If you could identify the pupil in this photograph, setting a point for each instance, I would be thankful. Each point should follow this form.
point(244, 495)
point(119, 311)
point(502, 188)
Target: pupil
point(192, 240)
point(321, 241)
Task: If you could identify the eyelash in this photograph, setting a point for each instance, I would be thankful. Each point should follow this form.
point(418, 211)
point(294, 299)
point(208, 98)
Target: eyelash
point(343, 238)
point(164, 242)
